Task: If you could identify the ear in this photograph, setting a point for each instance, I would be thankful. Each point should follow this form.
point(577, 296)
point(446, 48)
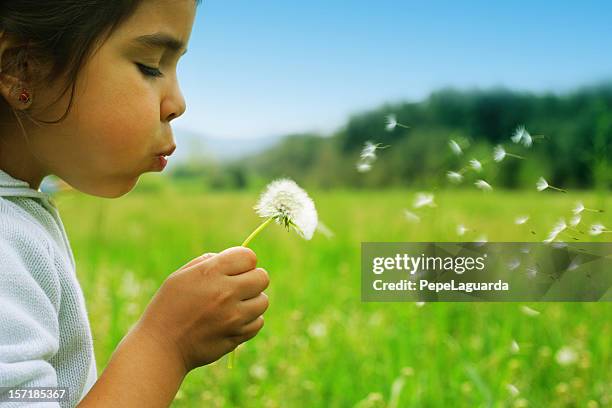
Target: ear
point(11, 86)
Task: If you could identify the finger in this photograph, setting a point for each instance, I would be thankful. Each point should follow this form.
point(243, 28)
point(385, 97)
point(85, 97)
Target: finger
point(254, 307)
point(249, 330)
point(199, 259)
point(235, 260)
point(251, 283)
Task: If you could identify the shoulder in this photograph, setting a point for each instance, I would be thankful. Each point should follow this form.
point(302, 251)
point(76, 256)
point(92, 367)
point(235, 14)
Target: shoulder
point(27, 262)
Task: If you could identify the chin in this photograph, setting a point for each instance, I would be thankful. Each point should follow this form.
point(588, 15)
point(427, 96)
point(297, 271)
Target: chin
point(111, 190)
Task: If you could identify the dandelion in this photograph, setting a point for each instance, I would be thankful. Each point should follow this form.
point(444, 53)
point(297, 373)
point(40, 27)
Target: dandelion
point(483, 185)
point(566, 356)
point(392, 123)
point(521, 219)
point(455, 147)
point(368, 153)
point(286, 203)
point(476, 165)
point(412, 217)
point(542, 185)
point(579, 208)
point(454, 176)
point(529, 311)
point(424, 200)
point(363, 167)
point(598, 229)
point(521, 135)
point(499, 154)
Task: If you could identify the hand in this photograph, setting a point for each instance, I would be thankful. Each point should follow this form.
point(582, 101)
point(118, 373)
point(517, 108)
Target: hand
point(209, 306)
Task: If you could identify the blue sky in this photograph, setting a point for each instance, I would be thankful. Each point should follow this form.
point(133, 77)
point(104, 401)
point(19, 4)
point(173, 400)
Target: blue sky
point(270, 67)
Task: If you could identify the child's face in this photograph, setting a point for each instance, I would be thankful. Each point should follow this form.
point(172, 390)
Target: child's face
point(120, 120)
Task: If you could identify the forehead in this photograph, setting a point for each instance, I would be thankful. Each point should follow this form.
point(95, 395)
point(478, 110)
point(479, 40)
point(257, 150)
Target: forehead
point(159, 23)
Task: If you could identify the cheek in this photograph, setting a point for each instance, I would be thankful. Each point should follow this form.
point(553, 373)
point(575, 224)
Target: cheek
point(121, 120)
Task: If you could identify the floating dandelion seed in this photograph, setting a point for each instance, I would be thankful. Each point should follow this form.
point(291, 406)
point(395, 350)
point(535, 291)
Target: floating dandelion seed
point(522, 219)
point(392, 123)
point(455, 147)
point(476, 165)
point(518, 134)
point(514, 347)
point(529, 311)
point(513, 264)
point(412, 217)
point(598, 229)
point(462, 229)
point(575, 220)
point(574, 264)
point(483, 185)
point(542, 185)
point(499, 154)
point(424, 200)
point(363, 167)
point(521, 135)
point(286, 203)
point(579, 208)
point(454, 176)
point(369, 151)
point(532, 271)
point(558, 228)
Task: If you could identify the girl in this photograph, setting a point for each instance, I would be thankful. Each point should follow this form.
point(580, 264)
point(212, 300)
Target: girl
point(89, 89)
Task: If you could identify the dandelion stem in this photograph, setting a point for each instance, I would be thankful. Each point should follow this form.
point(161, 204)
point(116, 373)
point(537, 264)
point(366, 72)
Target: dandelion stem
point(232, 357)
point(557, 188)
point(257, 231)
point(515, 156)
point(404, 126)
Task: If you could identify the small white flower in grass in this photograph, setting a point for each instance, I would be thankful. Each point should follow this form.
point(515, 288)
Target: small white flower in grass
point(258, 372)
point(579, 208)
point(566, 356)
point(363, 167)
point(411, 217)
point(455, 147)
point(542, 185)
point(598, 229)
point(476, 165)
point(512, 390)
point(424, 200)
point(529, 311)
point(392, 123)
point(521, 219)
point(317, 330)
point(454, 176)
point(499, 154)
point(483, 185)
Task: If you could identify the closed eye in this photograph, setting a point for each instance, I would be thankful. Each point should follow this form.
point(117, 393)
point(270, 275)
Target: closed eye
point(149, 71)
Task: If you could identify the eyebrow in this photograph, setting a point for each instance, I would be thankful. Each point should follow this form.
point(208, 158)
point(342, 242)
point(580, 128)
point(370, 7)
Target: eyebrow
point(161, 40)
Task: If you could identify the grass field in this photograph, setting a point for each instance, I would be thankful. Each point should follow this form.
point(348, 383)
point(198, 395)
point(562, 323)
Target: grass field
point(321, 346)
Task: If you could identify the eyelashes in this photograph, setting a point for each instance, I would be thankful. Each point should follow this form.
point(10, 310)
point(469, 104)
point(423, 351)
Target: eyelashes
point(149, 71)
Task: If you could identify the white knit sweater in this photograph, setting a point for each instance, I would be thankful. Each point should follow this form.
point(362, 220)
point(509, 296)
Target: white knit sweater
point(45, 337)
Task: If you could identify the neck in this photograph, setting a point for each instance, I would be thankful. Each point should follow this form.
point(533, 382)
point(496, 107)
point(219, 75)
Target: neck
point(16, 157)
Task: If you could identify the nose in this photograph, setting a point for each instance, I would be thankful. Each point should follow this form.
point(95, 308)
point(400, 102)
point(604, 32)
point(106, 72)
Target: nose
point(173, 105)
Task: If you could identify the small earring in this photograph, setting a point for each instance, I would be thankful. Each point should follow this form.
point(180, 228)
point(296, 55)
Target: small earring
point(24, 96)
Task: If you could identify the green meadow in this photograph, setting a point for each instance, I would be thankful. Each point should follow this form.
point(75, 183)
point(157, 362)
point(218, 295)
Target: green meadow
point(321, 346)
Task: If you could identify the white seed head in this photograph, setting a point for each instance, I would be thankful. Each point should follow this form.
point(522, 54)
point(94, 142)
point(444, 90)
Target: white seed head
point(483, 185)
point(424, 200)
point(542, 184)
point(575, 220)
point(499, 153)
point(518, 134)
point(476, 165)
point(522, 219)
point(566, 356)
point(454, 176)
point(290, 206)
point(455, 147)
point(391, 122)
point(369, 151)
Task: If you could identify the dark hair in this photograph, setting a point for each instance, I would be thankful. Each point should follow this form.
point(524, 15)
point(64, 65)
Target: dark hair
point(60, 35)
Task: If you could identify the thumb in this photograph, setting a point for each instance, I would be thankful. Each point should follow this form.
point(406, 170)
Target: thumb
point(199, 259)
